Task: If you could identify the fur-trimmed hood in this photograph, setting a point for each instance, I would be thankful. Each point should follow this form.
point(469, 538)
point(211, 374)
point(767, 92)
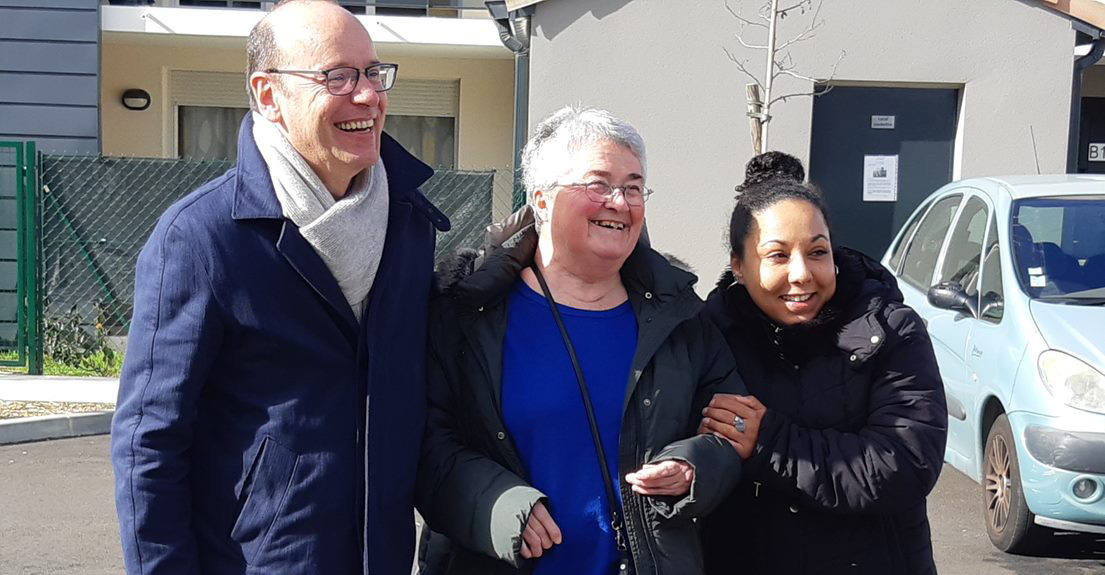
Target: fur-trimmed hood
point(480, 276)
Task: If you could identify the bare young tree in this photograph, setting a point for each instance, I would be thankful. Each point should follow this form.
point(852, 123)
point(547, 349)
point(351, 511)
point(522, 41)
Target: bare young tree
point(779, 61)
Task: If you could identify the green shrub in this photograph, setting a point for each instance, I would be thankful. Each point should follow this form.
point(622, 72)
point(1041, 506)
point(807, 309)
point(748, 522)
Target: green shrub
point(73, 348)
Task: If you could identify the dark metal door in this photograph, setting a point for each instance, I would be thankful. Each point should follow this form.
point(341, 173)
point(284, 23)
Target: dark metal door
point(914, 125)
point(1091, 137)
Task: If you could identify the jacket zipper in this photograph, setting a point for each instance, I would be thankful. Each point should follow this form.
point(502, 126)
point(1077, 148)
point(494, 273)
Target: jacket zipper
point(635, 500)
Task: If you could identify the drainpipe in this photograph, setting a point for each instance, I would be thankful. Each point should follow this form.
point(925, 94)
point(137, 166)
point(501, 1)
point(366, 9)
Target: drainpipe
point(1075, 133)
point(514, 32)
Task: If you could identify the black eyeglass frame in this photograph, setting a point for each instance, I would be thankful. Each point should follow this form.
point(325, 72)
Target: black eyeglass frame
point(358, 72)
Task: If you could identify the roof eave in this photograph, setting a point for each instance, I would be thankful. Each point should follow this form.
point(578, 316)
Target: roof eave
point(517, 4)
point(1091, 12)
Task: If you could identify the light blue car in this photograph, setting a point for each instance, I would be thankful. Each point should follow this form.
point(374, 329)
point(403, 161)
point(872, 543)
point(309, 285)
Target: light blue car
point(1009, 275)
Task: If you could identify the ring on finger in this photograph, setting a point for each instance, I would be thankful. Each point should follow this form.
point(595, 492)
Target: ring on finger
point(738, 423)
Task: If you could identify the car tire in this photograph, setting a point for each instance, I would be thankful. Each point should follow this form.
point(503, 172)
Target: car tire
point(1009, 523)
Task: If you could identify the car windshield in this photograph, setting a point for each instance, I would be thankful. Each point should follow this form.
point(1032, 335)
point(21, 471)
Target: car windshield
point(1059, 248)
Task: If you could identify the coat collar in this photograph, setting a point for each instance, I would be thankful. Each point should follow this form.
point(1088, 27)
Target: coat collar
point(849, 323)
point(478, 280)
point(255, 198)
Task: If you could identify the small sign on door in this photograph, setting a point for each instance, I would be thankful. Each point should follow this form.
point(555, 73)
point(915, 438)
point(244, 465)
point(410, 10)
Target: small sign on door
point(1097, 153)
point(880, 178)
point(882, 122)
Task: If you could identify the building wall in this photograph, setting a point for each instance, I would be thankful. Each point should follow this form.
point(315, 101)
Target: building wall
point(662, 66)
point(484, 126)
point(49, 63)
point(1093, 81)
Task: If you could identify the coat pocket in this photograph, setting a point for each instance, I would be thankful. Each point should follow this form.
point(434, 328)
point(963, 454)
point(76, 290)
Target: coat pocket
point(265, 491)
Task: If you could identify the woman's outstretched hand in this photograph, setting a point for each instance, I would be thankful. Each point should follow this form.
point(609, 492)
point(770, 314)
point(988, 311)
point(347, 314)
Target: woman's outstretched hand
point(727, 414)
point(541, 532)
point(669, 477)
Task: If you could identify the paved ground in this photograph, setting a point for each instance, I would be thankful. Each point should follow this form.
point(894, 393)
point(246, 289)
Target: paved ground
point(57, 517)
point(57, 510)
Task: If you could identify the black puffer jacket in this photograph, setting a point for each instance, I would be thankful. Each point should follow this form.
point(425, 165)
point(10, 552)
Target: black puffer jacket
point(472, 486)
point(853, 439)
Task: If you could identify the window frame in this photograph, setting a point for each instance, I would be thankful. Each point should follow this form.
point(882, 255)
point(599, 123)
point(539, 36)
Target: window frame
point(968, 195)
point(962, 194)
point(992, 226)
point(905, 238)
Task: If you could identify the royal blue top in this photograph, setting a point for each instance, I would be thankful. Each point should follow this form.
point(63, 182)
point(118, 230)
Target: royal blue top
point(547, 420)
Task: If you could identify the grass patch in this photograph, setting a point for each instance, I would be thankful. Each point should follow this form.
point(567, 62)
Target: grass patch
point(100, 364)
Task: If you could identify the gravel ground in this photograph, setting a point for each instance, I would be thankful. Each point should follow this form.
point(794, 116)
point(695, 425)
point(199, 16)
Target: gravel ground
point(13, 409)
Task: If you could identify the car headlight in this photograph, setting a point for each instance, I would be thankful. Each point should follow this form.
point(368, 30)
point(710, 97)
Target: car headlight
point(1072, 381)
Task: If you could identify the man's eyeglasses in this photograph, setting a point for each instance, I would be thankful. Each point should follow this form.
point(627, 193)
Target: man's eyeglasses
point(343, 80)
point(601, 192)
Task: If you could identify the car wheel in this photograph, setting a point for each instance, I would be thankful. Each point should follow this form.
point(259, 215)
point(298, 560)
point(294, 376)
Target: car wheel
point(1009, 523)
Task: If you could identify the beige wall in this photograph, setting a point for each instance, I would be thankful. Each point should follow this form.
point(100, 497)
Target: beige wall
point(484, 128)
point(486, 123)
point(661, 65)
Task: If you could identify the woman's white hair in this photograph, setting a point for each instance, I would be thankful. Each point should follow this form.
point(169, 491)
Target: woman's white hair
point(548, 152)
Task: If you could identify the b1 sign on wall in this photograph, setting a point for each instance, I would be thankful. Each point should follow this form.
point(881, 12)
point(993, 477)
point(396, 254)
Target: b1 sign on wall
point(1097, 153)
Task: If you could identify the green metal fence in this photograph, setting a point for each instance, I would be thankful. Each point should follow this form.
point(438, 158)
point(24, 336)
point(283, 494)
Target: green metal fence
point(20, 328)
point(71, 228)
point(98, 212)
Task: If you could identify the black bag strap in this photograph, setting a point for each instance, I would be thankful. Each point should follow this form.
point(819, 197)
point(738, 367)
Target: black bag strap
point(615, 519)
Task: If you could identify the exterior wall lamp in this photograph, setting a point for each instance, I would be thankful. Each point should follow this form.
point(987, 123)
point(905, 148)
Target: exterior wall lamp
point(136, 99)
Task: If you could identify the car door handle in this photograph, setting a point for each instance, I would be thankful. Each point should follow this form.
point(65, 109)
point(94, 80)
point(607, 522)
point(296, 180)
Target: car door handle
point(975, 352)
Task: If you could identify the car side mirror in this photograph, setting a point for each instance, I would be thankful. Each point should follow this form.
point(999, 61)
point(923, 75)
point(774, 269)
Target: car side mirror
point(949, 295)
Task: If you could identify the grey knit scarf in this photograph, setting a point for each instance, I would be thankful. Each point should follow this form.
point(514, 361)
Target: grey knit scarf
point(348, 234)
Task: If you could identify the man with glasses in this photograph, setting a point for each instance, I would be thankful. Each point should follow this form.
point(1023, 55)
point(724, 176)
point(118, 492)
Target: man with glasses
point(272, 403)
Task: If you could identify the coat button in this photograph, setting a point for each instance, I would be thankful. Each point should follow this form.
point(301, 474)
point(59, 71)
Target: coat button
point(501, 436)
point(647, 402)
point(648, 295)
point(479, 308)
point(853, 358)
point(874, 339)
point(793, 509)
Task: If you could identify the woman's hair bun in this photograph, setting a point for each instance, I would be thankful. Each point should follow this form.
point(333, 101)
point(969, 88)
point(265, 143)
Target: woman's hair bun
point(770, 166)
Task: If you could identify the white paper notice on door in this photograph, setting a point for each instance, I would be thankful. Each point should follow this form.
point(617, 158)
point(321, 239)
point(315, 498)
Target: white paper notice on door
point(880, 178)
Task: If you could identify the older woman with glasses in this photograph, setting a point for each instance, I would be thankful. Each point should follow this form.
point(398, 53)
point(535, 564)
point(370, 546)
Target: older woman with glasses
point(567, 371)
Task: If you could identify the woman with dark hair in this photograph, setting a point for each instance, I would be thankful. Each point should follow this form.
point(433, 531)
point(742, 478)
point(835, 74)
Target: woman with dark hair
point(843, 433)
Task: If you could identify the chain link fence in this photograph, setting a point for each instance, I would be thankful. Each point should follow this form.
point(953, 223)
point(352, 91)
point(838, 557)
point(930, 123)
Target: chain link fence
point(97, 212)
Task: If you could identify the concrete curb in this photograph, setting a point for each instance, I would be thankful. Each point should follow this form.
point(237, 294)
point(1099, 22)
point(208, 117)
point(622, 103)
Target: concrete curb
point(22, 430)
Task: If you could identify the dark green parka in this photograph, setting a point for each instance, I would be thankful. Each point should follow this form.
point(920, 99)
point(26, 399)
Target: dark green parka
point(472, 485)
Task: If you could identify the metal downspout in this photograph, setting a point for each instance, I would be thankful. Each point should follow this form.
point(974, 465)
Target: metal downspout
point(514, 32)
point(1075, 131)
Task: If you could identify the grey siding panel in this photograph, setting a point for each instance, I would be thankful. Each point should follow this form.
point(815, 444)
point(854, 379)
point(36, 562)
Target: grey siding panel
point(9, 245)
point(65, 25)
point(9, 303)
point(45, 4)
point(46, 57)
point(49, 74)
point(75, 146)
point(9, 214)
point(50, 120)
point(22, 88)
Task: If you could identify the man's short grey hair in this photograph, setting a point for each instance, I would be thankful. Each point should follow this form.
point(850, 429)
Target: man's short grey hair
point(262, 53)
point(548, 152)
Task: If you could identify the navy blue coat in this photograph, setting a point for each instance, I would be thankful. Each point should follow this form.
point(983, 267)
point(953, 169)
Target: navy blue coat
point(260, 428)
